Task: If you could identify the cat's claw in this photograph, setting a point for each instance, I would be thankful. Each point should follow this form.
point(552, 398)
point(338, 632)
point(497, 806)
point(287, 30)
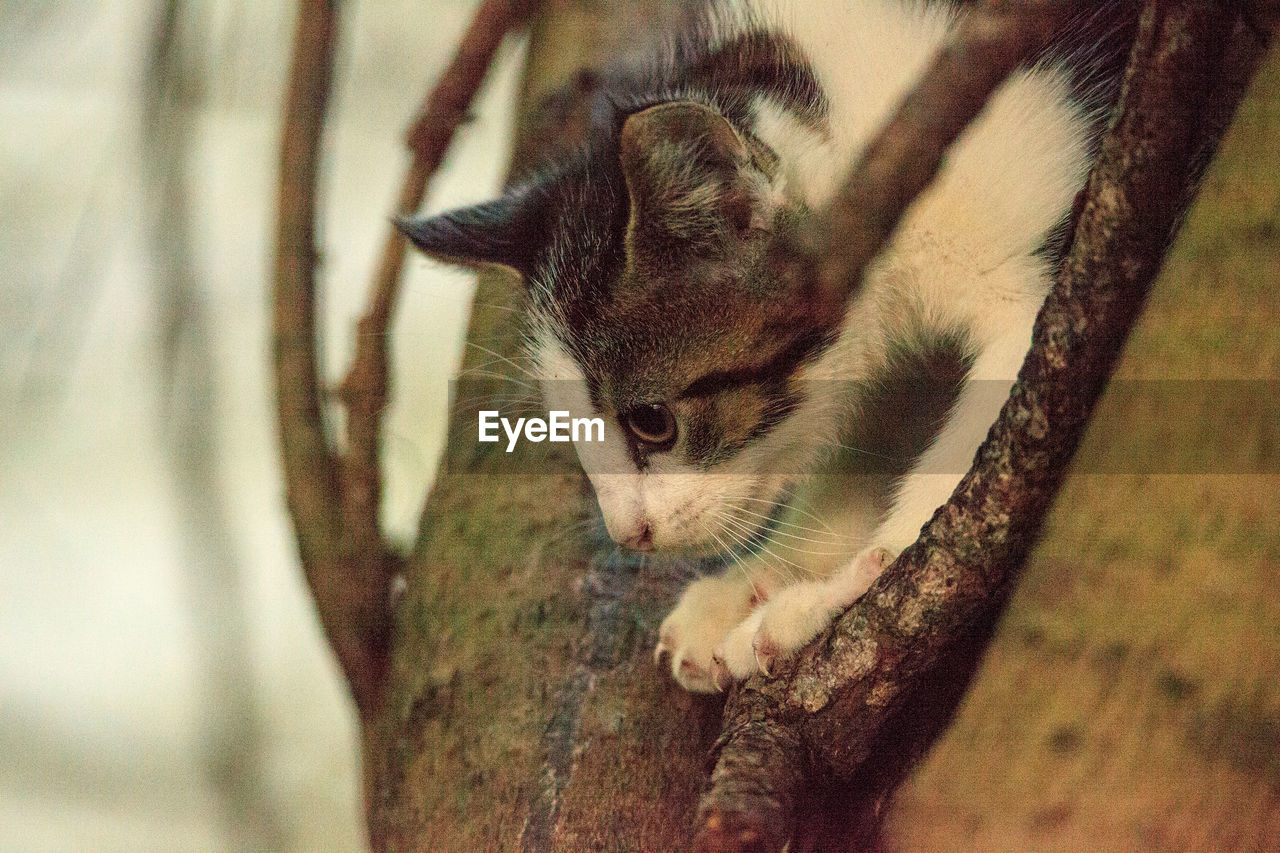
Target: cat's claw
point(693, 676)
point(688, 672)
point(793, 618)
point(737, 652)
point(765, 653)
point(689, 668)
point(720, 671)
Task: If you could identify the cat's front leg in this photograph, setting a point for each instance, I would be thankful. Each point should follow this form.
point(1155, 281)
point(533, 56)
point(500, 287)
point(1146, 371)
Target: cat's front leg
point(706, 612)
point(790, 620)
point(797, 614)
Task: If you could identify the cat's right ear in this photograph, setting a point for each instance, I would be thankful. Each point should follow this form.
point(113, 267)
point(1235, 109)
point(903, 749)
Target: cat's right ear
point(692, 176)
point(507, 231)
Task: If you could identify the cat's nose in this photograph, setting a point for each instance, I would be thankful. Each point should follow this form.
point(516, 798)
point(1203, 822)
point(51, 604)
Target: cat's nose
point(641, 540)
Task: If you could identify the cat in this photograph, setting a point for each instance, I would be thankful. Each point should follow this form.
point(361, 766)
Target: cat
point(663, 294)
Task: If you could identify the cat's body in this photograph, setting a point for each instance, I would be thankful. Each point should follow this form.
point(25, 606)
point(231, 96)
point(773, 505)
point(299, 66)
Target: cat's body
point(664, 296)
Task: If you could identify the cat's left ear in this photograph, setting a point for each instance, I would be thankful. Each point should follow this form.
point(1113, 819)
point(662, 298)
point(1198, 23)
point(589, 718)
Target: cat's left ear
point(507, 231)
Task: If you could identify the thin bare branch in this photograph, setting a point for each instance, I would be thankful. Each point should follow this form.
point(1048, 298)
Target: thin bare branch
point(850, 697)
point(334, 499)
point(364, 391)
point(311, 469)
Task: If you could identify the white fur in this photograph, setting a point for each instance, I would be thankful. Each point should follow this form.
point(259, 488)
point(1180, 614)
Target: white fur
point(961, 261)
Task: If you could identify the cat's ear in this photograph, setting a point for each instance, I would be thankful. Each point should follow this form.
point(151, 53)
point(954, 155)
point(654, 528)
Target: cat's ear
point(691, 174)
point(507, 231)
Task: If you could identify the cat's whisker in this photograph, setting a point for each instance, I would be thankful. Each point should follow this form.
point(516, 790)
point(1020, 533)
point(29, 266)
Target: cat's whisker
point(569, 530)
point(864, 451)
point(779, 522)
point(773, 505)
point(481, 366)
point(512, 397)
point(496, 307)
point(526, 371)
point(779, 539)
point(751, 540)
point(776, 536)
point(728, 551)
point(744, 543)
point(513, 405)
point(796, 549)
point(473, 372)
point(507, 399)
point(747, 530)
point(733, 555)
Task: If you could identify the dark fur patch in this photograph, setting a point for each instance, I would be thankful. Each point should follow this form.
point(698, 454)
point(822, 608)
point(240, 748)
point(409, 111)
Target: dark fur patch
point(689, 175)
point(911, 396)
point(759, 62)
point(776, 369)
point(506, 231)
point(1093, 50)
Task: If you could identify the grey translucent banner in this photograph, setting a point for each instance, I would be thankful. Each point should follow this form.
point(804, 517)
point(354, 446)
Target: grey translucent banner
point(1141, 426)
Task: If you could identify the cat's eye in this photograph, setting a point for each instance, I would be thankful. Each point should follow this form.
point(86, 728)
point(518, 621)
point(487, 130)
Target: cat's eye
point(653, 425)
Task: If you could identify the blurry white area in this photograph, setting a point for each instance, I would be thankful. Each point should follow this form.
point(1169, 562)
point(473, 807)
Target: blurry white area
point(163, 682)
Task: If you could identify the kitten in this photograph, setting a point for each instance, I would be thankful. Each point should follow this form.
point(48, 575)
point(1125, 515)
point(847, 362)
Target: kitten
point(663, 294)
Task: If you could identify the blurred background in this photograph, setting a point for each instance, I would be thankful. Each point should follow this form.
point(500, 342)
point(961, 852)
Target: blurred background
point(163, 682)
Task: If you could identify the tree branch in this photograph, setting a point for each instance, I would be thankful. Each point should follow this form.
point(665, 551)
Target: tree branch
point(334, 498)
point(904, 158)
point(364, 390)
point(830, 716)
point(311, 474)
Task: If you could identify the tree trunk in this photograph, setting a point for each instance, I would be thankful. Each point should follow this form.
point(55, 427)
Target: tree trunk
point(524, 710)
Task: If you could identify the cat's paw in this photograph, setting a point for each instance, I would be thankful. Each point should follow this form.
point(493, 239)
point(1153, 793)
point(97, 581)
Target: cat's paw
point(790, 620)
point(858, 577)
point(689, 635)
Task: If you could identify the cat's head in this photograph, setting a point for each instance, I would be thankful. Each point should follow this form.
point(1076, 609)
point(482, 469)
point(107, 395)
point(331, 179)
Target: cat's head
point(667, 296)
